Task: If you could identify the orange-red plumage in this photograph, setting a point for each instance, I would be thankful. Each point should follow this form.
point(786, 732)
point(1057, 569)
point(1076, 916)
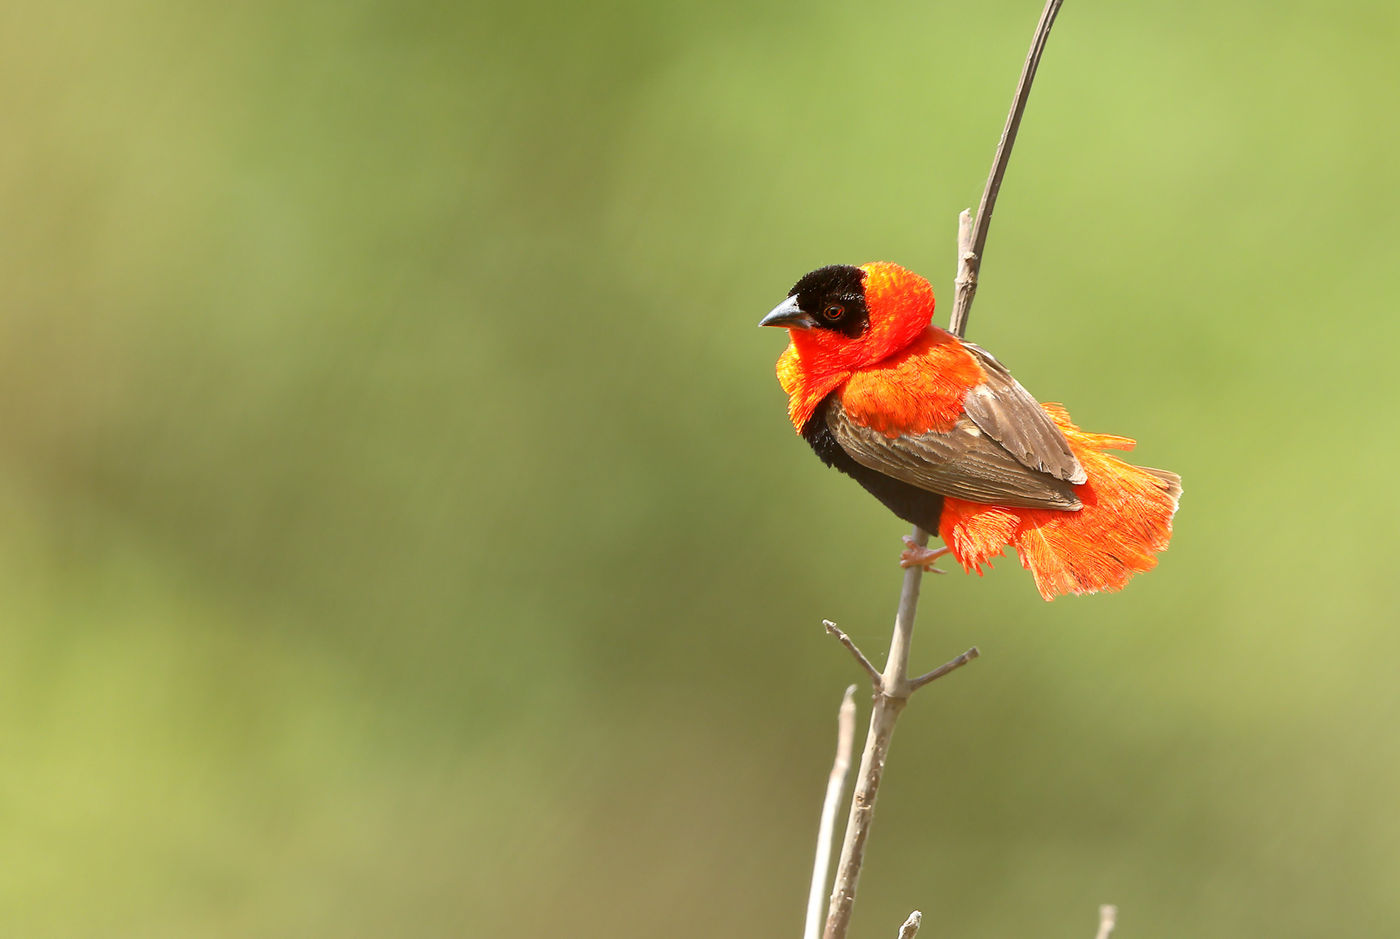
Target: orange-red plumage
point(955, 423)
point(1126, 520)
point(916, 389)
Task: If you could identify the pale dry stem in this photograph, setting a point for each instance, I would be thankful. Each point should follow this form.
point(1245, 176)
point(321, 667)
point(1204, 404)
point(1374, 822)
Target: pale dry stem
point(835, 786)
point(1108, 918)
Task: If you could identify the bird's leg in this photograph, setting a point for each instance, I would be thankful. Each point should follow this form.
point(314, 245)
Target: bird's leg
point(916, 556)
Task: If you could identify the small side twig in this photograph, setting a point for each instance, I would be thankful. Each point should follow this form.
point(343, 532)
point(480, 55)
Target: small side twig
point(835, 785)
point(851, 647)
point(911, 925)
point(945, 668)
point(1108, 918)
point(965, 283)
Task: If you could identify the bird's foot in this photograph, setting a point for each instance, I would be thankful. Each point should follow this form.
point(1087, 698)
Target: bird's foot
point(916, 556)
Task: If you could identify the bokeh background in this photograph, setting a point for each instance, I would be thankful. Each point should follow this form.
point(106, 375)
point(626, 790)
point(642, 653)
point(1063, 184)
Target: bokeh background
point(401, 533)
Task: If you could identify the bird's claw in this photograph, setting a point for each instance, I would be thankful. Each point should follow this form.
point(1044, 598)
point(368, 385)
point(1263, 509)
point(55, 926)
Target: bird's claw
point(915, 555)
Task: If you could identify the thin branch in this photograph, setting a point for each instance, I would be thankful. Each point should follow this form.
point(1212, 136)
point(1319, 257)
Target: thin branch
point(893, 687)
point(835, 785)
point(1108, 918)
point(894, 682)
point(962, 300)
point(911, 925)
point(944, 669)
point(892, 693)
point(851, 647)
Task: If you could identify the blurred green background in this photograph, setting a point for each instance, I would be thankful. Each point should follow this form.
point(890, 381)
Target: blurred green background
point(401, 533)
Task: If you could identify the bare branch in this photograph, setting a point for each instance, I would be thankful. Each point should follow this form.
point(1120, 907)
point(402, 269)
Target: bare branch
point(892, 692)
point(911, 925)
point(962, 299)
point(895, 681)
point(851, 647)
point(872, 768)
point(893, 686)
point(1108, 918)
point(835, 785)
point(944, 669)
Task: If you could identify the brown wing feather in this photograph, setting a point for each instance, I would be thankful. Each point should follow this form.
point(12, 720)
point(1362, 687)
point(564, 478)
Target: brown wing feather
point(1008, 414)
point(963, 463)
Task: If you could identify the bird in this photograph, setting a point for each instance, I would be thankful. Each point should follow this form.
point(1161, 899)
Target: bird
point(939, 431)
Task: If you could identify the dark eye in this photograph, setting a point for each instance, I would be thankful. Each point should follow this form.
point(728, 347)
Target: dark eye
point(834, 311)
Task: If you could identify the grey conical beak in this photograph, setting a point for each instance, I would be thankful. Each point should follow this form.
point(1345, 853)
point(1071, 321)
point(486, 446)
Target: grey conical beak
point(788, 314)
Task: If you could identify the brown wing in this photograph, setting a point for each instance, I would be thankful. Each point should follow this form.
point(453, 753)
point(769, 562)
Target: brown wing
point(1008, 414)
point(964, 463)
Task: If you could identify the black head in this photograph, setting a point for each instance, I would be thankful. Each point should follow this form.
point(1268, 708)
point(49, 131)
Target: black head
point(834, 297)
point(831, 298)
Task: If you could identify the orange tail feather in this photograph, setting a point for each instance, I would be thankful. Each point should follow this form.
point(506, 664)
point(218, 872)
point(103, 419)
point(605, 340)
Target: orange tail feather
point(1125, 522)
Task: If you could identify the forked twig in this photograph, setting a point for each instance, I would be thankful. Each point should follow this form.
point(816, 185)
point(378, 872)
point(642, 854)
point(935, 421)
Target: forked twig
point(851, 647)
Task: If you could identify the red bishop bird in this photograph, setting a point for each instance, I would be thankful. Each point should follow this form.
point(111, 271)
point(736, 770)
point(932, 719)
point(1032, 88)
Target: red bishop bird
point(938, 430)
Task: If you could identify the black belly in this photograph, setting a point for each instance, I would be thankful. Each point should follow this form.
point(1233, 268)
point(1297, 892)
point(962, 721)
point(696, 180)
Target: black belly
point(914, 505)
